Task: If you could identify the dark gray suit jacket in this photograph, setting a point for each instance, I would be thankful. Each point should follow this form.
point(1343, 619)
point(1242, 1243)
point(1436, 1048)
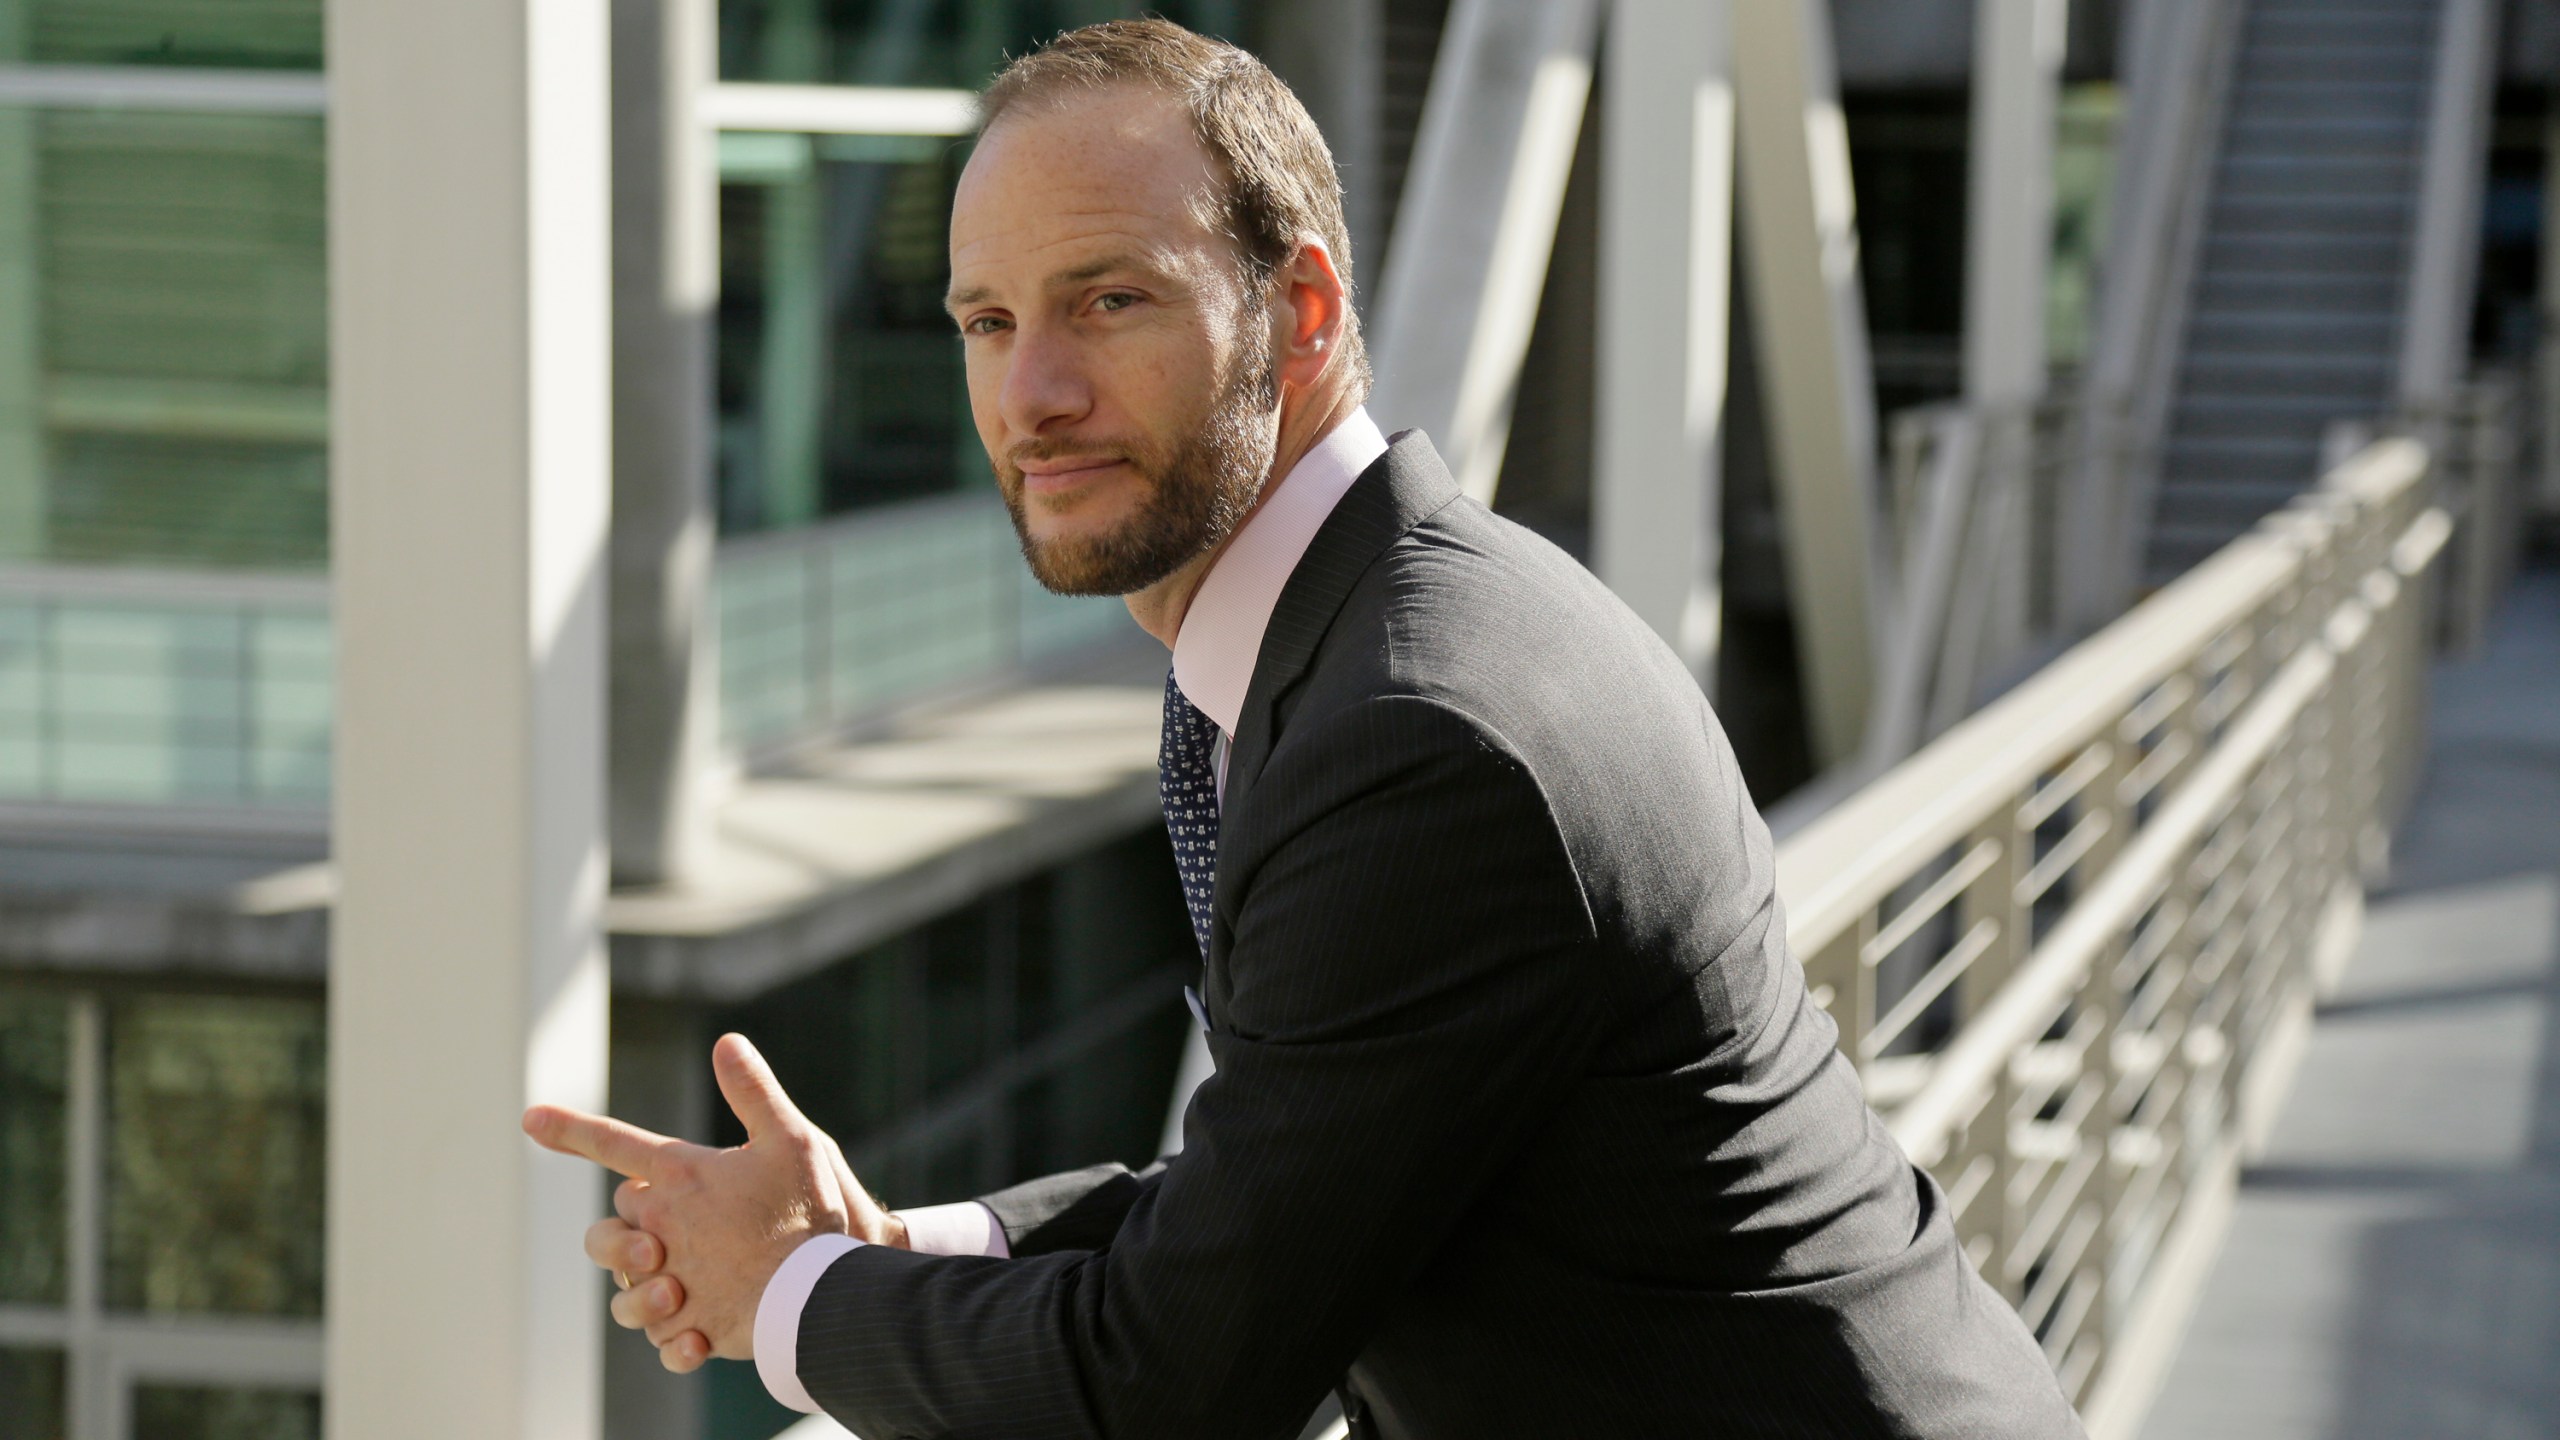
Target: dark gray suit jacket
point(1523, 1122)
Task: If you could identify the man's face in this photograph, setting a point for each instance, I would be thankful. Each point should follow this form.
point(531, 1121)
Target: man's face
point(1120, 376)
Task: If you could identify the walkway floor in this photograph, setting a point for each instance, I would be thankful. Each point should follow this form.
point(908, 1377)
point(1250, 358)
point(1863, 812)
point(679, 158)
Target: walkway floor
point(2393, 1263)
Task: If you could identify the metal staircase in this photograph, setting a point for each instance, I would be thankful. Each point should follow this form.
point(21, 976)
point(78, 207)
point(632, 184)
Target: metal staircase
point(2302, 283)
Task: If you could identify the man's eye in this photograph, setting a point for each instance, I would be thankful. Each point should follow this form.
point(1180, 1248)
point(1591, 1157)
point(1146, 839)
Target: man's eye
point(1116, 300)
point(982, 325)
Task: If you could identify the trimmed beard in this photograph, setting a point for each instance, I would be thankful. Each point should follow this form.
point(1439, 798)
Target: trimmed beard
point(1197, 495)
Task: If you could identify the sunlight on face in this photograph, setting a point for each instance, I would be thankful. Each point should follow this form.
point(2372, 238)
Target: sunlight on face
point(1119, 375)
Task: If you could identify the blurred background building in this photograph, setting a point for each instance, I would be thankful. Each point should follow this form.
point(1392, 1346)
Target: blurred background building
point(881, 803)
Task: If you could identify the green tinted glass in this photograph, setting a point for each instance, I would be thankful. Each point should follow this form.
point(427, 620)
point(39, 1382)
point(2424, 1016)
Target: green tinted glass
point(920, 42)
point(34, 1070)
point(215, 1160)
point(186, 1412)
point(254, 34)
point(163, 380)
point(840, 375)
point(31, 1395)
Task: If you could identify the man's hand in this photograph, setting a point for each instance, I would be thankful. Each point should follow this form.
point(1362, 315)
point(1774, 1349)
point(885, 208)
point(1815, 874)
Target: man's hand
point(700, 1231)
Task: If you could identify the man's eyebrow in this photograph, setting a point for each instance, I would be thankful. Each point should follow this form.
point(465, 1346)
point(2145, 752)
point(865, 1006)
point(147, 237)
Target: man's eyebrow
point(1084, 274)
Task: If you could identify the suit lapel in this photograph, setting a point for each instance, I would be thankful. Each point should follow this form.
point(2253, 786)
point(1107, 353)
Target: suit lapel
point(1398, 491)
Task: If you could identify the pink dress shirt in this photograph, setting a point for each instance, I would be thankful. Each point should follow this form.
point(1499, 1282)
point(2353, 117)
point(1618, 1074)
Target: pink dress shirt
point(1213, 659)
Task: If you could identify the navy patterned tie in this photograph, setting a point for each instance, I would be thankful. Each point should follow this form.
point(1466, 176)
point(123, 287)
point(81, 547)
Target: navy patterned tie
point(1187, 779)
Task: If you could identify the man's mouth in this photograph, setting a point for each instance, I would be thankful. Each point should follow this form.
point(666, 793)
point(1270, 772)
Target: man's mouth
point(1054, 476)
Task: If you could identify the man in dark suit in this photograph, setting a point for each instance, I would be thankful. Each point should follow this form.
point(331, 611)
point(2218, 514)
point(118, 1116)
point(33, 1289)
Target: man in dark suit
point(1523, 1122)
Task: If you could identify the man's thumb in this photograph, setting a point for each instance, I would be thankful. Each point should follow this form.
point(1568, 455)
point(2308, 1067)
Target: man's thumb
point(748, 1085)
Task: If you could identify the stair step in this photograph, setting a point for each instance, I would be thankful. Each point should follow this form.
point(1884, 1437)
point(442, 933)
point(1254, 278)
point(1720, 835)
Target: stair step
point(2283, 330)
point(2262, 464)
point(2299, 408)
point(2238, 214)
point(2382, 61)
point(2307, 253)
point(2347, 176)
point(2319, 28)
point(2325, 100)
point(2226, 286)
point(2233, 505)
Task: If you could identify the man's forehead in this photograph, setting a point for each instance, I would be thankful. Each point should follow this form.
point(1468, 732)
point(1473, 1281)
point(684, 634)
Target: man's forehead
point(1051, 187)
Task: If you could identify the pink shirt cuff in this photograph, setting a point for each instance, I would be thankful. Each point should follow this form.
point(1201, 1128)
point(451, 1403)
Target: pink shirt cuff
point(963, 1228)
point(778, 1317)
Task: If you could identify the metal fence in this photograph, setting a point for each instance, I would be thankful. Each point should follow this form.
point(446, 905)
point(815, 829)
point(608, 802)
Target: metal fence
point(164, 689)
point(213, 691)
point(820, 626)
point(2067, 941)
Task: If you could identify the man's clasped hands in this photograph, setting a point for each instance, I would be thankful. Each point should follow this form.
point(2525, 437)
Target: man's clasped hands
point(697, 1231)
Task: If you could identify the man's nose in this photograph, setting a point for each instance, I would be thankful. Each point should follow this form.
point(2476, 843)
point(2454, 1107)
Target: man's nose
point(1045, 384)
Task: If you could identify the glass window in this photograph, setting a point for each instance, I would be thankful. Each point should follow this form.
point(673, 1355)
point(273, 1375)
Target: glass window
point(163, 392)
point(31, 1405)
point(916, 42)
point(240, 34)
point(187, 1412)
point(840, 375)
point(215, 1129)
point(35, 1054)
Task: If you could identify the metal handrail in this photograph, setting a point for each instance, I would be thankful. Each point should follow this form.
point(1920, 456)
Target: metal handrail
point(2063, 941)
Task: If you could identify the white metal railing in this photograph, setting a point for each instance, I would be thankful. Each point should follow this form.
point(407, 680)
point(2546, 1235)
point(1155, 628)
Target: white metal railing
point(2478, 431)
point(2063, 941)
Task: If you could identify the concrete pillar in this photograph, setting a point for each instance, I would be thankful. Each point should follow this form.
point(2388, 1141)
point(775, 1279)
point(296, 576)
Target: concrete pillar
point(1666, 236)
point(471, 413)
point(2017, 70)
point(1809, 325)
point(666, 248)
point(22, 461)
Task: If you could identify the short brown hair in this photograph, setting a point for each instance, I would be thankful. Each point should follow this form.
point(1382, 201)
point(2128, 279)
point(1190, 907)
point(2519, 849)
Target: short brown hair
point(1280, 178)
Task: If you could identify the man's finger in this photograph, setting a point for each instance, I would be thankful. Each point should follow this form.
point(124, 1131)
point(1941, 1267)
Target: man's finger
point(623, 1148)
point(685, 1353)
point(647, 1303)
point(750, 1088)
point(613, 1244)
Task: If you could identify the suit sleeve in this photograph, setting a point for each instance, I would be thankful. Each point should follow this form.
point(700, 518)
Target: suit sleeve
point(1072, 1210)
point(1401, 1010)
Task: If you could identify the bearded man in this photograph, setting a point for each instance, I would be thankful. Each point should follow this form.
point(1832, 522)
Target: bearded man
point(1523, 1122)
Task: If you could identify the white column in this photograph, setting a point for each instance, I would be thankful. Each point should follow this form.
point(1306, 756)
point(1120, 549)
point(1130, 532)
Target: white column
point(666, 281)
point(1459, 295)
point(2444, 240)
point(1801, 245)
point(1666, 237)
point(469, 337)
point(2548, 422)
point(2017, 68)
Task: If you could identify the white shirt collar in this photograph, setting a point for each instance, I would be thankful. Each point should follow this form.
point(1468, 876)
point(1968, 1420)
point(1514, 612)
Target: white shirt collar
point(1221, 635)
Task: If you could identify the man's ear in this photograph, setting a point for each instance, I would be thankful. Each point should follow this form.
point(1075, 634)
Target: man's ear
point(1313, 311)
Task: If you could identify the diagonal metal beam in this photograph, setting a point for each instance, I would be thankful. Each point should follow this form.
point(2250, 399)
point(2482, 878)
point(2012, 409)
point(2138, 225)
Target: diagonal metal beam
point(1801, 234)
point(1469, 256)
